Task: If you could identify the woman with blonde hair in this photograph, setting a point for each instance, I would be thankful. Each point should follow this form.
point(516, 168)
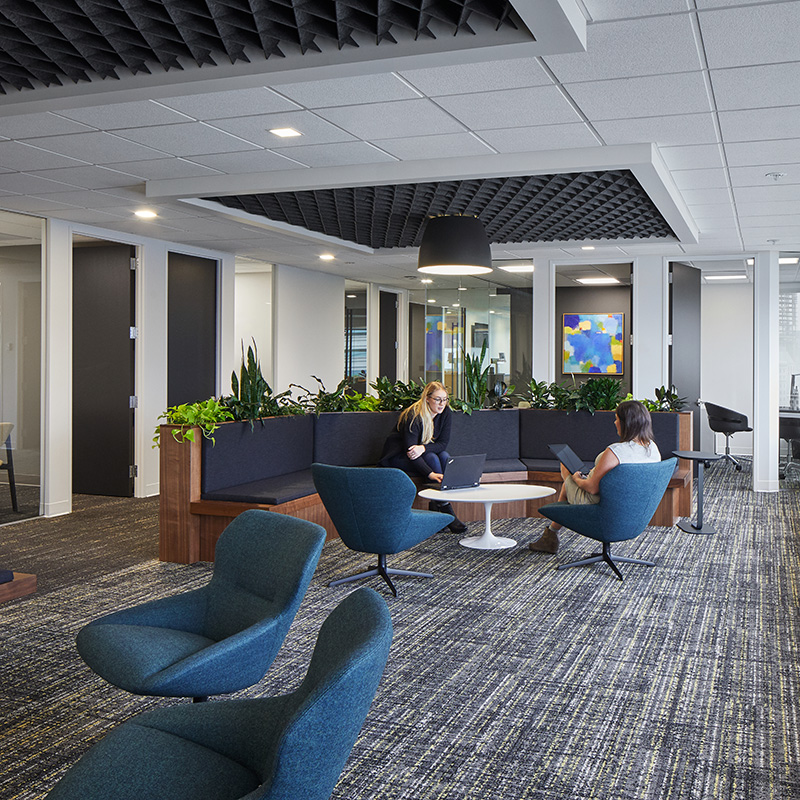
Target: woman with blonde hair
point(418, 445)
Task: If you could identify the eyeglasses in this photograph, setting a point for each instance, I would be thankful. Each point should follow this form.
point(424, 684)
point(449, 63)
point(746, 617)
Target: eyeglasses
point(439, 399)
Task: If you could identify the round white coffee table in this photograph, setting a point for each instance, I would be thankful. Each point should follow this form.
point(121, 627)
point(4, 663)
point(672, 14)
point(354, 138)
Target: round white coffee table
point(488, 494)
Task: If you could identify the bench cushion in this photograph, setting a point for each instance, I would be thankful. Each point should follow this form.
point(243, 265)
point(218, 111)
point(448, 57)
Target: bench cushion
point(271, 491)
point(495, 433)
point(504, 465)
point(242, 454)
point(352, 438)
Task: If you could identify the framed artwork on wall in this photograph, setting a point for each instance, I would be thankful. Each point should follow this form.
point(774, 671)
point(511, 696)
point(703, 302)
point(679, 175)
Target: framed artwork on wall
point(592, 344)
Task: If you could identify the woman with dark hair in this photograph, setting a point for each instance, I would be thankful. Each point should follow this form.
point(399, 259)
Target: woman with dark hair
point(635, 428)
point(418, 445)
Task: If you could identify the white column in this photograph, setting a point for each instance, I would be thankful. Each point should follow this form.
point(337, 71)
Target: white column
point(544, 311)
point(56, 452)
point(228, 351)
point(650, 312)
point(765, 372)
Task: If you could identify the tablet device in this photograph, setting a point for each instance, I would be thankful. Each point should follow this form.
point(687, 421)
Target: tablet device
point(568, 457)
point(463, 472)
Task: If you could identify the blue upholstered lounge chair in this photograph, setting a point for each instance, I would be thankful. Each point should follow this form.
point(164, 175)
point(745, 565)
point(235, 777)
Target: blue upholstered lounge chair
point(273, 748)
point(629, 496)
point(220, 638)
point(371, 509)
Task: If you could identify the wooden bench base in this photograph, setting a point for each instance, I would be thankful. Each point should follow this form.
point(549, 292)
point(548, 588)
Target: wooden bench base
point(22, 584)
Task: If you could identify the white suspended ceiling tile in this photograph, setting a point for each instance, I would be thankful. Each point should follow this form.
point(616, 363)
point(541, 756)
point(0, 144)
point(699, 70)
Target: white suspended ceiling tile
point(20, 157)
point(700, 178)
point(694, 197)
point(712, 211)
point(96, 148)
point(761, 209)
point(446, 145)
point(347, 91)
point(513, 73)
point(759, 34)
point(701, 156)
point(759, 124)
point(541, 137)
point(160, 168)
point(395, 118)
point(124, 115)
point(105, 218)
point(757, 87)
point(539, 105)
point(33, 204)
point(768, 220)
point(248, 162)
point(664, 131)
point(651, 96)
point(622, 9)
point(88, 177)
point(630, 48)
point(767, 194)
point(86, 198)
point(23, 183)
point(231, 103)
point(313, 128)
point(186, 139)
point(776, 151)
point(758, 176)
point(334, 155)
point(23, 126)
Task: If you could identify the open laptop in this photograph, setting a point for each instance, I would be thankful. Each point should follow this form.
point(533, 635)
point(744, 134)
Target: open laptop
point(569, 458)
point(463, 472)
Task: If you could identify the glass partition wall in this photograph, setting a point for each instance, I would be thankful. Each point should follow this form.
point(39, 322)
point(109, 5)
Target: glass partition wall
point(20, 363)
point(452, 320)
point(789, 363)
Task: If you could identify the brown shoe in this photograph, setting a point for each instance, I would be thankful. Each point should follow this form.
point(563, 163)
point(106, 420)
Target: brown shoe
point(546, 543)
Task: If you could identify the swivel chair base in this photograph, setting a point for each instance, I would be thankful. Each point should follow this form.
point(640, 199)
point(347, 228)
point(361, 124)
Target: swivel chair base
point(384, 571)
point(595, 558)
point(728, 456)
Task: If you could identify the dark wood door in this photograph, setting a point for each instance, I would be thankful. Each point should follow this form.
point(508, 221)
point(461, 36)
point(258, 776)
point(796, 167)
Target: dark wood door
point(191, 329)
point(102, 370)
point(387, 365)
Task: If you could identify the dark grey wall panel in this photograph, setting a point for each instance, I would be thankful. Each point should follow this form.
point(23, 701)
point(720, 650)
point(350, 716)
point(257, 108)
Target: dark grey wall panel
point(191, 328)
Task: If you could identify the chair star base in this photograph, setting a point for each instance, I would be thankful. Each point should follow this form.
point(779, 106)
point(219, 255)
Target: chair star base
point(384, 571)
point(606, 556)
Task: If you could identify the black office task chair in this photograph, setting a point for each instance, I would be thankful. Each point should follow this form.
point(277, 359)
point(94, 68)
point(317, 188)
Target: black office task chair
point(725, 420)
point(8, 462)
point(789, 430)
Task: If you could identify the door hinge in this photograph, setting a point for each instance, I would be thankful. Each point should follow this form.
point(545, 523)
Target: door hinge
point(134, 263)
point(395, 345)
point(671, 276)
point(133, 471)
point(133, 401)
point(669, 340)
point(631, 340)
point(134, 332)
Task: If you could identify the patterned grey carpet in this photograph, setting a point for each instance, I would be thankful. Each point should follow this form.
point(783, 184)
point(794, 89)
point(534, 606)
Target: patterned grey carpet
point(507, 678)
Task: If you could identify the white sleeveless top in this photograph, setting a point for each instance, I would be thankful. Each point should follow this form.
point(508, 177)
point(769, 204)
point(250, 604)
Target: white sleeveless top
point(633, 452)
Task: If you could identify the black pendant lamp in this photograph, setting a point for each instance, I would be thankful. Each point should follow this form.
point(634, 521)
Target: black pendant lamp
point(454, 245)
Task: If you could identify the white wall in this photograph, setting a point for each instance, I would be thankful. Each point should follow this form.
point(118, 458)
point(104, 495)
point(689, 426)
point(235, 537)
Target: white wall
point(726, 359)
point(307, 328)
point(253, 318)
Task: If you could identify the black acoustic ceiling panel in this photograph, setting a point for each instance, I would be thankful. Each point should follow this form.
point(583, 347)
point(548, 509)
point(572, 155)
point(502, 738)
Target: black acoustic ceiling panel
point(50, 42)
point(538, 208)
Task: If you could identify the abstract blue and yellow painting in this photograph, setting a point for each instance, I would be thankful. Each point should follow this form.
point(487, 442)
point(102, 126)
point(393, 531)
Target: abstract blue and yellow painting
point(593, 343)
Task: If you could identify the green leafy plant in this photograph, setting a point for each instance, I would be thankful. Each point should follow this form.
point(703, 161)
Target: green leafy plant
point(565, 398)
point(206, 415)
point(598, 394)
point(500, 396)
point(668, 400)
point(251, 397)
point(342, 398)
point(476, 377)
point(538, 394)
point(395, 396)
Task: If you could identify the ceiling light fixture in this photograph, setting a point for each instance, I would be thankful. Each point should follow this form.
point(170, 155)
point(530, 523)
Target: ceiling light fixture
point(517, 266)
point(326, 257)
point(145, 213)
point(454, 245)
point(425, 280)
point(606, 281)
point(781, 260)
point(284, 133)
point(739, 277)
point(587, 247)
point(463, 289)
point(351, 296)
